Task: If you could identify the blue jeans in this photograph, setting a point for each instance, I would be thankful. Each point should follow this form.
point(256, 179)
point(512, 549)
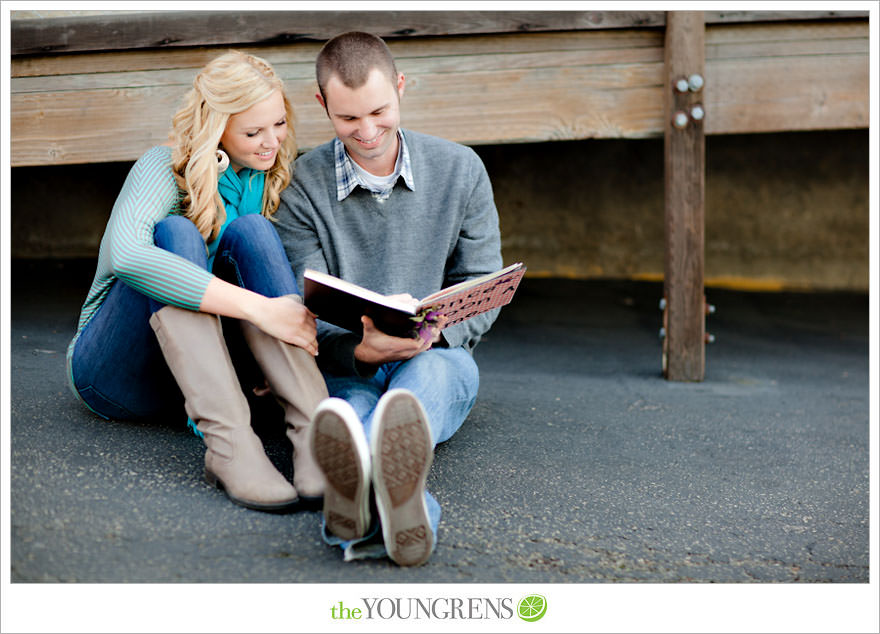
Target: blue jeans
point(118, 367)
point(445, 380)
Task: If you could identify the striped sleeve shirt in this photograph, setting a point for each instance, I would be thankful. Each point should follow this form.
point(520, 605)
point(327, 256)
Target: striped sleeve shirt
point(127, 251)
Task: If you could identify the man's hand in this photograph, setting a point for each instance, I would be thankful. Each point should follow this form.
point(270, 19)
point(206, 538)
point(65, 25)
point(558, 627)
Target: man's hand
point(404, 297)
point(376, 347)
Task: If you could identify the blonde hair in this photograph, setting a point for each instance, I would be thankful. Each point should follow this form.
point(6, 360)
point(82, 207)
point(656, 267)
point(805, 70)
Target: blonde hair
point(228, 85)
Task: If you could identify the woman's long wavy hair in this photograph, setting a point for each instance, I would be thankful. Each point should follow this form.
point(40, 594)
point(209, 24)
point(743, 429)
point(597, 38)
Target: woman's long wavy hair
point(228, 85)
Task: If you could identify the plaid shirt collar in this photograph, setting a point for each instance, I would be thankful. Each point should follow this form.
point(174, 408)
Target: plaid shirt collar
point(347, 177)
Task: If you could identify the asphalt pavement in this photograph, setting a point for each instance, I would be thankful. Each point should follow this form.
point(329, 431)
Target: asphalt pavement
point(578, 464)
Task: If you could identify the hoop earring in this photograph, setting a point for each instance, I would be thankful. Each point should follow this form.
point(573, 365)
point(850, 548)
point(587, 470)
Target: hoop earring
point(222, 161)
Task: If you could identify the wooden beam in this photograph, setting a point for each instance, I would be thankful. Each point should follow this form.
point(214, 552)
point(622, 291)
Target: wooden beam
point(741, 17)
point(685, 148)
point(517, 88)
point(768, 77)
point(174, 29)
point(128, 30)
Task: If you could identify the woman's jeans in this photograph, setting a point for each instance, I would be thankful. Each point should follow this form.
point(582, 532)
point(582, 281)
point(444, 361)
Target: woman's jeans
point(445, 380)
point(118, 367)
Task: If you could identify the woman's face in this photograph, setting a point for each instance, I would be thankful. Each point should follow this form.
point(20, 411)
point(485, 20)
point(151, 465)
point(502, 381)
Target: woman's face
point(252, 138)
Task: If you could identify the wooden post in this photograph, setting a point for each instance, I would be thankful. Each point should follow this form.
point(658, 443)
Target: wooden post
point(684, 347)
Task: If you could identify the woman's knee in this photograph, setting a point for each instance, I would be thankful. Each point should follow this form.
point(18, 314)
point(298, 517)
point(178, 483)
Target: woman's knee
point(250, 254)
point(253, 227)
point(252, 233)
point(180, 236)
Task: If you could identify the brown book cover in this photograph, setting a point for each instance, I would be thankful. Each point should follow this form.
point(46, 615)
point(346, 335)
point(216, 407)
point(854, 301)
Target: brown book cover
point(342, 303)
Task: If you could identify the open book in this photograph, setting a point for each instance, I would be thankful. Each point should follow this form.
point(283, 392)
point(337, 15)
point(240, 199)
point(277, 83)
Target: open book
point(342, 303)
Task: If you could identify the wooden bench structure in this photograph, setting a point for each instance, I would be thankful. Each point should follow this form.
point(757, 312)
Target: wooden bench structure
point(103, 87)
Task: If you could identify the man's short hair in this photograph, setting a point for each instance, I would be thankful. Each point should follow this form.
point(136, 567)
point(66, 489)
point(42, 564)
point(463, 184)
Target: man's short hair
point(351, 57)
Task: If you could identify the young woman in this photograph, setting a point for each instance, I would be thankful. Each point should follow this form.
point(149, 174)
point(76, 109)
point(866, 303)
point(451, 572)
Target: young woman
point(188, 241)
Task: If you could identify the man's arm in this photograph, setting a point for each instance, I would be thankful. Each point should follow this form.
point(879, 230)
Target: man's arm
point(477, 252)
point(295, 224)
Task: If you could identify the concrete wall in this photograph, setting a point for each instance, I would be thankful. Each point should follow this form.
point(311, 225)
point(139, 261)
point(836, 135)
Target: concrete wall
point(782, 210)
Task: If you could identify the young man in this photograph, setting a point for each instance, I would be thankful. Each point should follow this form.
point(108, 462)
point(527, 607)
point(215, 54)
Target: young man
point(397, 212)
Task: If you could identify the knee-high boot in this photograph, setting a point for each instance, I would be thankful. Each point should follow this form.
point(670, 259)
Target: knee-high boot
point(195, 351)
point(297, 384)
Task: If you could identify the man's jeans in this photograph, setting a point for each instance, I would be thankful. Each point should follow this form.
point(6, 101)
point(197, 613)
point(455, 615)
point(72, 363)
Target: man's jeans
point(118, 367)
point(445, 380)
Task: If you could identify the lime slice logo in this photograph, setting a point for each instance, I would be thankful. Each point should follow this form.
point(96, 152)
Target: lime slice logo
point(532, 607)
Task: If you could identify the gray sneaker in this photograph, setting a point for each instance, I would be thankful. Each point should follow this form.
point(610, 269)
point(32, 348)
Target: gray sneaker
point(339, 446)
point(402, 452)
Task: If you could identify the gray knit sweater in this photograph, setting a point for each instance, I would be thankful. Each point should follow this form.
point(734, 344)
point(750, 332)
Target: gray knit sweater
point(417, 241)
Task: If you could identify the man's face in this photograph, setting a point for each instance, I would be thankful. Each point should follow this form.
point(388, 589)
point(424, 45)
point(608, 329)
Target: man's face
point(366, 119)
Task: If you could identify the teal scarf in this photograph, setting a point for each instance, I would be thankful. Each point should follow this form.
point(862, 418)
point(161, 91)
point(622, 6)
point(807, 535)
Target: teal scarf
point(242, 194)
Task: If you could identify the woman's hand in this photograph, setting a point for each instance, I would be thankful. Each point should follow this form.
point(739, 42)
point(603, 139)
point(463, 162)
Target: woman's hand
point(287, 319)
point(281, 317)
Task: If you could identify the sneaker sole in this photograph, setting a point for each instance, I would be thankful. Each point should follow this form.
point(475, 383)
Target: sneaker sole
point(341, 452)
point(402, 455)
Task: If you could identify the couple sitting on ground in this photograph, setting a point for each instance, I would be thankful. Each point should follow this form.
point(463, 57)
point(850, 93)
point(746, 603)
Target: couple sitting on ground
point(196, 299)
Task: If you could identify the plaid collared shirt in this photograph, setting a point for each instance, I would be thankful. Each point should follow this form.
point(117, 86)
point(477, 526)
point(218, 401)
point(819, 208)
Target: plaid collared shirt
point(347, 177)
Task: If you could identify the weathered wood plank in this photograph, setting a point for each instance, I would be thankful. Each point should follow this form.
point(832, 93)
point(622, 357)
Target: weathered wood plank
point(172, 29)
point(783, 33)
point(508, 107)
point(179, 77)
point(94, 126)
point(723, 41)
point(558, 90)
point(217, 28)
point(613, 42)
point(437, 55)
point(147, 60)
point(730, 43)
point(734, 17)
point(787, 94)
point(412, 66)
point(685, 150)
point(500, 106)
point(534, 87)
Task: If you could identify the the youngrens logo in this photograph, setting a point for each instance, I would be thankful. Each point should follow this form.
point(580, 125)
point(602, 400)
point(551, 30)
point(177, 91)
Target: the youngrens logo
point(532, 608)
point(529, 608)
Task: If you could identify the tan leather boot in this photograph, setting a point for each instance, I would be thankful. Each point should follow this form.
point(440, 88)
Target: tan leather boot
point(297, 384)
point(195, 351)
